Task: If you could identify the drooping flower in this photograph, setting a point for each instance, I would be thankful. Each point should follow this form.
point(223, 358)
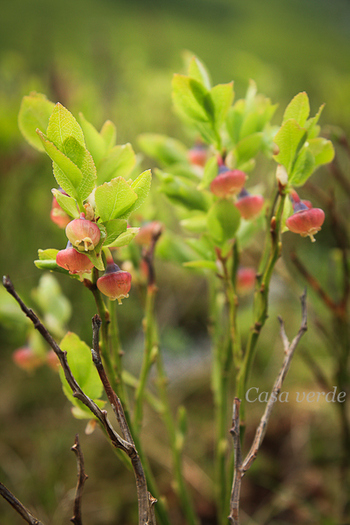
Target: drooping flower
point(115, 283)
point(73, 261)
point(83, 234)
point(227, 182)
point(57, 215)
point(305, 221)
point(198, 155)
point(249, 205)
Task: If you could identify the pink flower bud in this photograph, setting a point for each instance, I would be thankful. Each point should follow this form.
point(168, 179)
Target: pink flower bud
point(228, 182)
point(26, 359)
point(245, 280)
point(249, 205)
point(83, 234)
point(57, 215)
point(305, 221)
point(115, 283)
point(198, 155)
point(148, 232)
point(73, 261)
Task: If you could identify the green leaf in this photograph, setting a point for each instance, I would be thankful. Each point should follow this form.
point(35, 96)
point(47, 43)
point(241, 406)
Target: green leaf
point(185, 171)
point(223, 220)
point(311, 125)
point(48, 255)
point(164, 149)
point(95, 143)
point(63, 126)
point(210, 172)
point(125, 238)
point(248, 229)
point(234, 120)
point(118, 163)
point(95, 257)
point(298, 109)
point(197, 71)
point(109, 134)
point(303, 168)
point(34, 113)
point(248, 147)
point(49, 265)
point(68, 204)
point(207, 265)
point(81, 365)
point(114, 198)
point(114, 228)
point(322, 150)
point(54, 305)
point(141, 186)
point(290, 139)
point(192, 99)
point(222, 97)
point(195, 224)
point(180, 192)
point(203, 247)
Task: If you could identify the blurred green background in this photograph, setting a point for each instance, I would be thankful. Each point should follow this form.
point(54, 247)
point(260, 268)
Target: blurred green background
point(115, 59)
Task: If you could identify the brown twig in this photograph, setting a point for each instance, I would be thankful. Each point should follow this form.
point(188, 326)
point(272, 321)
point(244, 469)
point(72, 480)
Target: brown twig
point(18, 506)
point(82, 477)
point(243, 466)
point(145, 500)
point(146, 517)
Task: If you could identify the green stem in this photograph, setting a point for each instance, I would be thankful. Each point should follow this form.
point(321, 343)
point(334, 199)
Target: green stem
point(273, 245)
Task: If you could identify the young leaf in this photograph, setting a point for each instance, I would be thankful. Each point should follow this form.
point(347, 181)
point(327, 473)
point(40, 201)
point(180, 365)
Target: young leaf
point(222, 97)
point(210, 172)
point(141, 186)
point(34, 113)
point(290, 139)
point(109, 134)
point(164, 149)
point(197, 71)
point(114, 228)
point(303, 168)
point(180, 192)
point(95, 143)
point(68, 204)
point(125, 238)
point(195, 224)
point(192, 99)
point(322, 150)
point(114, 198)
point(118, 163)
point(62, 126)
point(202, 264)
point(223, 220)
point(248, 148)
point(234, 120)
point(298, 109)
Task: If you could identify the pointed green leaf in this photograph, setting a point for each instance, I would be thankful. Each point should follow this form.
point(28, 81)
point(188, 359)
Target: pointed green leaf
point(164, 149)
point(180, 192)
point(114, 228)
point(290, 139)
point(248, 148)
point(109, 134)
point(34, 113)
point(222, 97)
point(195, 224)
point(68, 204)
point(95, 143)
point(234, 120)
point(191, 99)
point(223, 220)
point(118, 163)
point(96, 258)
point(114, 198)
point(303, 168)
point(62, 126)
point(141, 186)
point(197, 71)
point(48, 255)
point(210, 172)
point(322, 150)
point(298, 109)
point(311, 125)
point(125, 238)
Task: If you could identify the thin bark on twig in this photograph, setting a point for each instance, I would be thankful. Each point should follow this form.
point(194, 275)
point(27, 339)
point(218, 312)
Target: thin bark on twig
point(145, 500)
point(147, 515)
point(18, 506)
point(82, 477)
point(242, 466)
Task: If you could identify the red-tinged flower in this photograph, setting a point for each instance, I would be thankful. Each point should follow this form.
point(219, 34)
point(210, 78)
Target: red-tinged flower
point(198, 155)
point(73, 261)
point(245, 280)
point(305, 221)
point(115, 283)
point(83, 234)
point(148, 232)
point(59, 216)
point(249, 205)
point(228, 182)
point(26, 359)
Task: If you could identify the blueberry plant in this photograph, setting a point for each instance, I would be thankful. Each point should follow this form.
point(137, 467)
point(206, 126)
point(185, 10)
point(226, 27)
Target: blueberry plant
point(220, 214)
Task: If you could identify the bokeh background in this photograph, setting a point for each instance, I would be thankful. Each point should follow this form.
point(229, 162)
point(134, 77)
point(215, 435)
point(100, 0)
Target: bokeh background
point(115, 59)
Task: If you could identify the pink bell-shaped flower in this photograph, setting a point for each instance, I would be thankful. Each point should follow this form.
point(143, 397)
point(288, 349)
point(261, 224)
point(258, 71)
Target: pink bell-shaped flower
point(83, 234)
point(249, 205)
point(227, 182)
point(73, 261)
point(115, 283)
point(198, 155)
point(305, 221)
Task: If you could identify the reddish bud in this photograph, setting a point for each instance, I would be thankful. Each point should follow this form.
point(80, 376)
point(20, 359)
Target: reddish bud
point(115, 283)
point(198, 155)
point(57, 215)
point(148, 232)
point(83, 234)
point(73, 261)
point(249, 205)
point(305, 221)
point(245, 280)
point(228, 182)
point(26, 359)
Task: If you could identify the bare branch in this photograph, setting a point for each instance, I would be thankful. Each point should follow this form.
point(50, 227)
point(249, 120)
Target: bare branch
point(242, 467)
point(82, 477)
point(145, 500)
point(18, 506)
point(236, 487)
